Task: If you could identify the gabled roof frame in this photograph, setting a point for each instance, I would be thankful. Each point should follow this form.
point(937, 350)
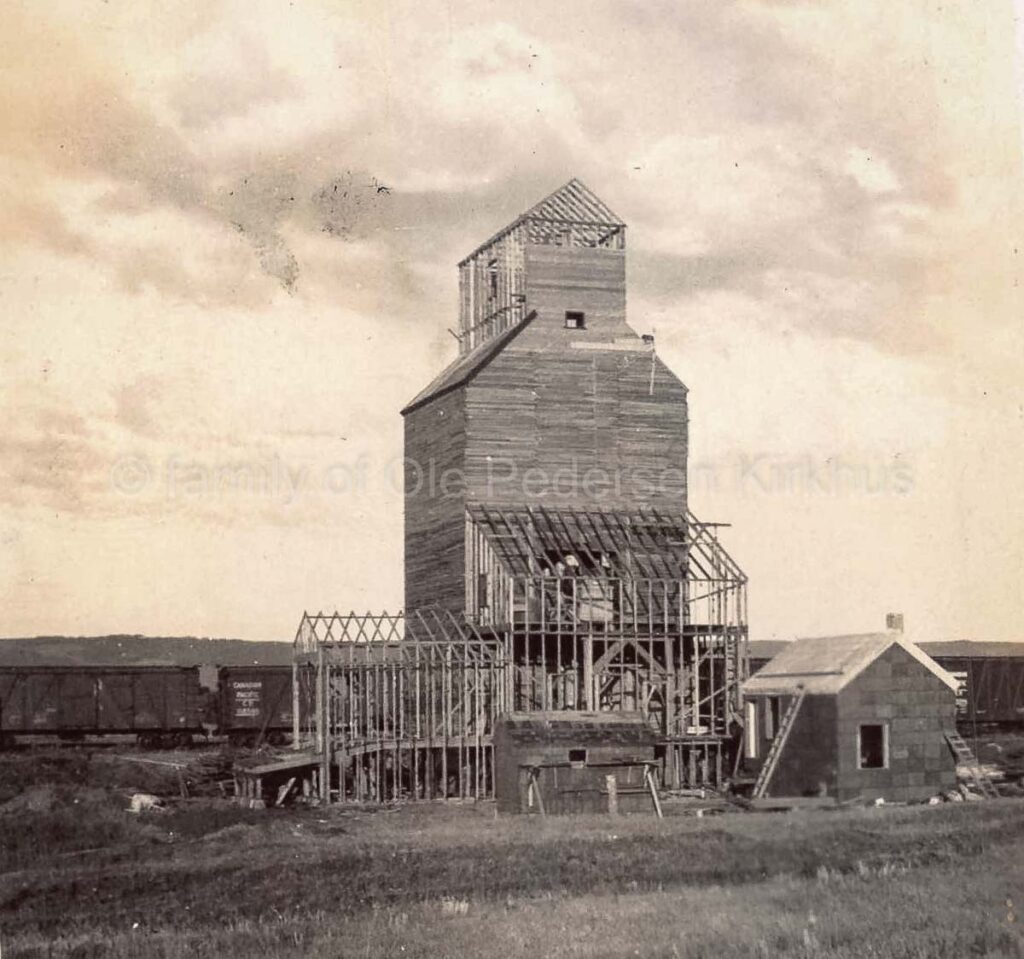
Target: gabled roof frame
point(573, 203)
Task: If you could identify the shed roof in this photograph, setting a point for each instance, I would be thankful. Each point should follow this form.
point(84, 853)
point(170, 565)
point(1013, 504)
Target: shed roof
point(468, 365)
point(826, 664)
point(764, 649)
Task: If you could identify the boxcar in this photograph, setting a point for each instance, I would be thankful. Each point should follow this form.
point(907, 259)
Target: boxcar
point(255, 703)
point(158, 704)
point(991, 688)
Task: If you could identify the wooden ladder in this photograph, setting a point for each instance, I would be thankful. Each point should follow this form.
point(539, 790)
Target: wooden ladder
point(778, 744)
point(965, 757)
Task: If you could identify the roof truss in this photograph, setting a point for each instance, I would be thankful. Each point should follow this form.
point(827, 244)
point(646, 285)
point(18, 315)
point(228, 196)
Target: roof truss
point(634, 544)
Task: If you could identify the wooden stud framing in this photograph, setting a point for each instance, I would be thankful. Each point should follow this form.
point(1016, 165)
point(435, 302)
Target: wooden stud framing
point(405, 705)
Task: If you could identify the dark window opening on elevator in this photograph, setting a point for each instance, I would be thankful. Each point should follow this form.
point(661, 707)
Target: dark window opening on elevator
point(575, 320)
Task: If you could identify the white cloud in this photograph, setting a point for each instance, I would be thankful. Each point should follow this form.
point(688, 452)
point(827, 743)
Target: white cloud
point(872, 173)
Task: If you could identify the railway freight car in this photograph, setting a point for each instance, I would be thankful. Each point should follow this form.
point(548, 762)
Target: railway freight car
point(160, 705)
point(255, 704)
point(991, 677)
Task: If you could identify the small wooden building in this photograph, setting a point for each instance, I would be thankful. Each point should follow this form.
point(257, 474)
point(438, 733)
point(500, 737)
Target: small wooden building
point(851, 716)
point(557, 762)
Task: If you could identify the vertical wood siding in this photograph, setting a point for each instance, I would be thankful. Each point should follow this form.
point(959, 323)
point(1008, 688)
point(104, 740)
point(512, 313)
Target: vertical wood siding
point(435, 445)
point(580, 418)
point(577, 428)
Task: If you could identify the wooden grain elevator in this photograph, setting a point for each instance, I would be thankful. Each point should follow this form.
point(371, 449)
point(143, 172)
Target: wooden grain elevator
point(551, 559)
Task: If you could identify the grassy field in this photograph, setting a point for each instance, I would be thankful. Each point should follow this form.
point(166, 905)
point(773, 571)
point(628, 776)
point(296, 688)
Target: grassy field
point(80, 876)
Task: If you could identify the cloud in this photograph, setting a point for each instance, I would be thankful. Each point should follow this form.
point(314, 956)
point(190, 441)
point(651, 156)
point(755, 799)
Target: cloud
point(233, 231)
point(227, 78)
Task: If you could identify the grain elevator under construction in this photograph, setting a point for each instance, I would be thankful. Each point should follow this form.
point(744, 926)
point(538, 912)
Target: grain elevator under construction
point(552, 564)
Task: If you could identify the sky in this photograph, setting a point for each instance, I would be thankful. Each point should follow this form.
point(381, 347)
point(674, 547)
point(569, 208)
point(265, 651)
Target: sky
point(231, 233)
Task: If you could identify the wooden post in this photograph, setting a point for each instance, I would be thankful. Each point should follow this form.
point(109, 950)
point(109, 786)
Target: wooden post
point(296, 731)
point(671, 770)
point(323, 721)
point(613, 794)
point(535, 783)
point(649, 778)
point(588, 673)
point(320, 731)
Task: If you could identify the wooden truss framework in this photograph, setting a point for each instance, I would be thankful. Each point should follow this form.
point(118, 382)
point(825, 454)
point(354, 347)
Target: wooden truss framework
point(492, 290)
point(651, 618)
point(399, 707)
point(621, 610)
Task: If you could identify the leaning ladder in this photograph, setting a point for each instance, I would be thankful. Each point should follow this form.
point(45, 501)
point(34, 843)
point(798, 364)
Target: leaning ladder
point(778, 744)
point(965, 757)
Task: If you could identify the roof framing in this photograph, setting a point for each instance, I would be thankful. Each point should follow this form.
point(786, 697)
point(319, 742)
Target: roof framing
point(572, 204)
point(642, 543)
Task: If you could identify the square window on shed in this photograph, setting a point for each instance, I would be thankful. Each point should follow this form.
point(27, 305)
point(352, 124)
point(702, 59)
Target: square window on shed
point(575, 320)
point(577, 756)
point(873, 747)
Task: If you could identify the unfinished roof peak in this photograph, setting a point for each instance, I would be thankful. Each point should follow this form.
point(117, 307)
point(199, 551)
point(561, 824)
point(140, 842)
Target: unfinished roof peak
point(503, 278)
point(572, 203)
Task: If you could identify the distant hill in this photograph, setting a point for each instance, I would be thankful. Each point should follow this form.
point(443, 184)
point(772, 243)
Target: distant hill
point(140, 651)
point(128, 650)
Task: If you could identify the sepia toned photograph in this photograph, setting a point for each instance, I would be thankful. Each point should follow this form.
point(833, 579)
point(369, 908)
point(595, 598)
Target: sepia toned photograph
point(488, 480)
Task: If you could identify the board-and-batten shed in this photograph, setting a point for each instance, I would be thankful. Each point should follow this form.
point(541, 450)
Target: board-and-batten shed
point(556, 762)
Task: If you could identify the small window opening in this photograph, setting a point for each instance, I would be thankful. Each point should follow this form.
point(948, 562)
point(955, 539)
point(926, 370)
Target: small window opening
point(575, 320)
point(578, 756)
point(871, 742)
point(481, 591)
